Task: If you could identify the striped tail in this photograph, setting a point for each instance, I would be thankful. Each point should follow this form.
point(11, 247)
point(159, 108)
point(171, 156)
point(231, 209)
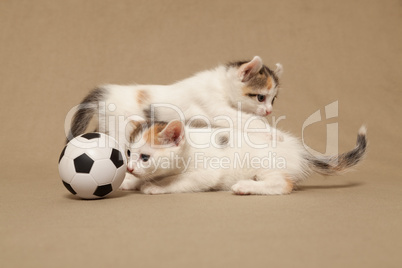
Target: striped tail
point(86, 110)
point(336, 165)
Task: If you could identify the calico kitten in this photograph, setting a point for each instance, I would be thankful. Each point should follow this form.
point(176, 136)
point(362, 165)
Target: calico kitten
point(176, 158)
point(208, 95)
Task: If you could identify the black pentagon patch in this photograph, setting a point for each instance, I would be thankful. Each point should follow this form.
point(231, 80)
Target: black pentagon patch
point(116, 158)
point(62, 154)
point(83, 164)
point(68, 186)
point(90, 136)
point(103, 190)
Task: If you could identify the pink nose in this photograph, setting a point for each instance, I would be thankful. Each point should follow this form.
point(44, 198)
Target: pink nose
point(130, 169)
point(267, 112)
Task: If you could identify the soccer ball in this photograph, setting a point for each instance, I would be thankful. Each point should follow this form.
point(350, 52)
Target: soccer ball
point(92, 166)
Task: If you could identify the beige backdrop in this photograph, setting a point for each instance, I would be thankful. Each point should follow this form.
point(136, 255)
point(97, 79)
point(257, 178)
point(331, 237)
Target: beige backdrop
point(53, 52)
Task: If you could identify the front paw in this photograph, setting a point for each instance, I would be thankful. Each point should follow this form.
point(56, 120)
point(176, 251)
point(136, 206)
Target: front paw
point(277, 137)
point(130, 183)
point(243, 187)
point(151, 188)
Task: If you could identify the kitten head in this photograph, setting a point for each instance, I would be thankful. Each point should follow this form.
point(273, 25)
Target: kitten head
point(153, 149)
point(257, 84)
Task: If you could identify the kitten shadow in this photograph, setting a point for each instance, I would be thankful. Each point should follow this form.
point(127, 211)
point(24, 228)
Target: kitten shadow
point(347, 185)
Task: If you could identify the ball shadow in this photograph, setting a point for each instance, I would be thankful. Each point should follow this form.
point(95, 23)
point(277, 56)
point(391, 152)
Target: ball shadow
point(116, 194)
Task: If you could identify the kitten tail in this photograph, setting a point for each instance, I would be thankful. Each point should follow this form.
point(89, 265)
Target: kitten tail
point(86, 110)
point(336, 165)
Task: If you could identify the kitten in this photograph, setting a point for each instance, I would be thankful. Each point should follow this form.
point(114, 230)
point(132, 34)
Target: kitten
point(212, 96)
point(176, 158)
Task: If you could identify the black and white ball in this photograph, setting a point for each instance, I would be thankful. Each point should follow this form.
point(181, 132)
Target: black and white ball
point(92, 166)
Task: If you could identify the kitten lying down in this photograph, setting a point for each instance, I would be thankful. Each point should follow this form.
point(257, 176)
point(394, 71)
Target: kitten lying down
point(176, 158)
point(246, 86)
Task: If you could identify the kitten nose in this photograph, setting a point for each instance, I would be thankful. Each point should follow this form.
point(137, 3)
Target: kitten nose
point(267, 112)
point(129, 169)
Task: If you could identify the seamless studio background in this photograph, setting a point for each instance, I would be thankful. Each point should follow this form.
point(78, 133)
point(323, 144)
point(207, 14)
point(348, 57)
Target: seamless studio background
point(53, 52)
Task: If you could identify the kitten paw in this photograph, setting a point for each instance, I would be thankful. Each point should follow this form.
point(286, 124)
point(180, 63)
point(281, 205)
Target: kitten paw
point(130, 183)
point(243, 188)
point(150, 188)
point(278, 137)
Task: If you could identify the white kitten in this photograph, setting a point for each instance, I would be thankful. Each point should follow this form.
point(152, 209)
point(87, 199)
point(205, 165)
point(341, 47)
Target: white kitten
point(211, 96)
point(174, 158)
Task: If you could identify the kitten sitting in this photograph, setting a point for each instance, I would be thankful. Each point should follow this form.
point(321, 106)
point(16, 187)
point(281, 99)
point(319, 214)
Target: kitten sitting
point(214, 96)
point(176, 158)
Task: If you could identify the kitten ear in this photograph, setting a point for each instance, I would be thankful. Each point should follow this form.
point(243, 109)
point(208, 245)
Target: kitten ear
point(172, 133)
point(247, 70)
point(279, 70)
point(133, 128)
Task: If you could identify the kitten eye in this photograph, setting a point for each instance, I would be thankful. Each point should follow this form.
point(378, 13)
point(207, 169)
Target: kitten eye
point(144, 157)
point(273, 100)
point(260, 98)
point(128, 153)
